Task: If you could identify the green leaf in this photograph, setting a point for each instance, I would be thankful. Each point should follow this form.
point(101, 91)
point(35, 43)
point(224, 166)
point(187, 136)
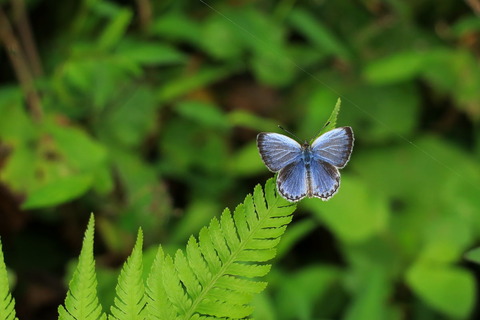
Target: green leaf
point(177, 26)
point(203, 113)
point(58, 191)
point(15, 124)
point(273, 68)
point(187, 83)
point(354, 214)
point(217, 275)
point(131, 300)
point(250, 120)
point(395, 68)
point(385, 112)
point(81, 302)
point(312, 28)
point(296, 232)
point(246, 162)
point(301, 293)
point(448, 289)
point(158, 306)
point(371, 298)
point(19, 170)
point(149, 53)
point(473, 255)
point(332, 120)
point(120, 125)
point(115, 30)
point(318, 109)
point(7, 302)
point(80, 150)
point(221, 39)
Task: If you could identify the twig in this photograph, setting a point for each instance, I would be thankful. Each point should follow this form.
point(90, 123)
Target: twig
point(144, 13)
point(25, 32)
point(20, 67)
point(475, 5)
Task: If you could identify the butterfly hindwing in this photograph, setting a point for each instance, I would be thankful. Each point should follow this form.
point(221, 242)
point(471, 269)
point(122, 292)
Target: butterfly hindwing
point(334, 146)
point(278, 151)
point(324, 179)
point(307, 170)
point(292, 182)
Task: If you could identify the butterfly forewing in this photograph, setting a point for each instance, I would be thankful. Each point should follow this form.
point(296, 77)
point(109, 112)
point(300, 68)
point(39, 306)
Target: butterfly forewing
point(292, 182)
point(307, 170)
point(278, 151)
point(334, 146)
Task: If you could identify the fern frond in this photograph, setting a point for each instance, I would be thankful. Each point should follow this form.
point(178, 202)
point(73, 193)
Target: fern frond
point(158, 306)
point(216, 276)
point(81, 302)
point(7, 303)
point(130, 300)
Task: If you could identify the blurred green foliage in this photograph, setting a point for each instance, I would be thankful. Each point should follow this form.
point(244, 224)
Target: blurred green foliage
point(149, 117)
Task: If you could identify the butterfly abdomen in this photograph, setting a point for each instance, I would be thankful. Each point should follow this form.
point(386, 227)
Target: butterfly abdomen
point(307, 157)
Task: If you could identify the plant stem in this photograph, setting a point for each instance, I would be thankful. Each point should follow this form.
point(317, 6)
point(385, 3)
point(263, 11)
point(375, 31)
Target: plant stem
point(144, 8)
point(25, 32)
point(20, 67)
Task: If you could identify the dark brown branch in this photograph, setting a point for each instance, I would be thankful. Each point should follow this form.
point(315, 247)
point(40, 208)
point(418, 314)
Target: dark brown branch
point(475, 5)
point(24, 29)
point(144, 8)
point(20, 66)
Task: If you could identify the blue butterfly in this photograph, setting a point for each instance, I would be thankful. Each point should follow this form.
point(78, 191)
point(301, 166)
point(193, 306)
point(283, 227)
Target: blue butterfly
point(307, 170)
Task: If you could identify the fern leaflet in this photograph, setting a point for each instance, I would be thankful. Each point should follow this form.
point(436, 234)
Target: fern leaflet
point(81, 302)
point(130, 300)
point(7, 303)
point(215, 278)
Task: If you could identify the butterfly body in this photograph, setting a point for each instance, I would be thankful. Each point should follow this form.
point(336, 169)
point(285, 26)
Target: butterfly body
point(307, 169)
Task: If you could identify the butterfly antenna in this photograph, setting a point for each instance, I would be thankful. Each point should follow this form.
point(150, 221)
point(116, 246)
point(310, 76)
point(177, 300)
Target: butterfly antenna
point(289, 133)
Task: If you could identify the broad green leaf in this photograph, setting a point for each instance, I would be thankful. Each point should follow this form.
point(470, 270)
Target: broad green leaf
point(473, 255)
point(189, 82)
point(221, 39)
point(296, 232)
point(197, 214)
point(15, 125)
point(250, 120)
point(203, 113)
point(448, 289)
point(149, 53)
point(177, 26)
point(395, 68)
point(371, 297)
point(317, 33)
point(19, 170)
point(466, 25)
point(116, 29)
point(354, 214)
point(273, 68)
point(122, 126)
point(302, 292)
point(381, 113)
point(246, 161)
point(58, 191)
point(264, 307)
point(79, 150)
